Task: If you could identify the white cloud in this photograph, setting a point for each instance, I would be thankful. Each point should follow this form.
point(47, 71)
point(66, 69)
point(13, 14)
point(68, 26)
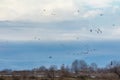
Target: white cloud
point(55, 10)
point(57, 34)
point(92, 13)
point(115, 9)
point(51, 11)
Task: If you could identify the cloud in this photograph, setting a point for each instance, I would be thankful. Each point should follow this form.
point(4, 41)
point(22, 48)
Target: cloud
point(51, 32)
point(47, 11)
point(92, 13)
point(69, 13)
point(34, 10)
point(94, 4)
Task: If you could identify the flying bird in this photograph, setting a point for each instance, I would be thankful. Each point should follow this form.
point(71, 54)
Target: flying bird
point(98, 31)
point(91, 30)
point(50, 57)
point(113, 25)
point(101, 14)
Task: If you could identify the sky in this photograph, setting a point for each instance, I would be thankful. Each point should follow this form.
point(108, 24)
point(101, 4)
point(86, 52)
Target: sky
point(33, 30)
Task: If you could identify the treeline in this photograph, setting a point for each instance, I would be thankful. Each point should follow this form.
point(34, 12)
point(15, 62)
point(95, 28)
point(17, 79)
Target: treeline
point(78, 69)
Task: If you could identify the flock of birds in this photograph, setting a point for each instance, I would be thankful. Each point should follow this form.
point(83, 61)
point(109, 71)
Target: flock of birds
point(98, 30)
point(85, 52)
point(77, 52)
point(88, 51)
point(36, 38)
point(53, 13)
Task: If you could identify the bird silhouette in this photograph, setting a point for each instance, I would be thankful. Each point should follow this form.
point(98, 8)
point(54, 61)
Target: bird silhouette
point(50, 57)
point(101, 14)
point(91, 30)
point(99, 31)
point(113, 25)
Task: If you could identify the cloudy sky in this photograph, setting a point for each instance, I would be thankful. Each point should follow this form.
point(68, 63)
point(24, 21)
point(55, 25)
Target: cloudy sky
point(33, 30)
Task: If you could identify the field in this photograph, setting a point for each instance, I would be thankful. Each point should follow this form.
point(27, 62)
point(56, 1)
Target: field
point(100, 77)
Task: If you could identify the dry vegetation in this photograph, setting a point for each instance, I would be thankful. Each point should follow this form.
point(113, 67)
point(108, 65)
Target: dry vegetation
point(79, 70)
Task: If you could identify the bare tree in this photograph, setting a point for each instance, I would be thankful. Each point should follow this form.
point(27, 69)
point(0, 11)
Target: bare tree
point(64, 71)
point(83, 65)
point(51, 72)
point(75, 66)
point(42, 68)
point(115, 67)
point(78, 66)
point(93, 67)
